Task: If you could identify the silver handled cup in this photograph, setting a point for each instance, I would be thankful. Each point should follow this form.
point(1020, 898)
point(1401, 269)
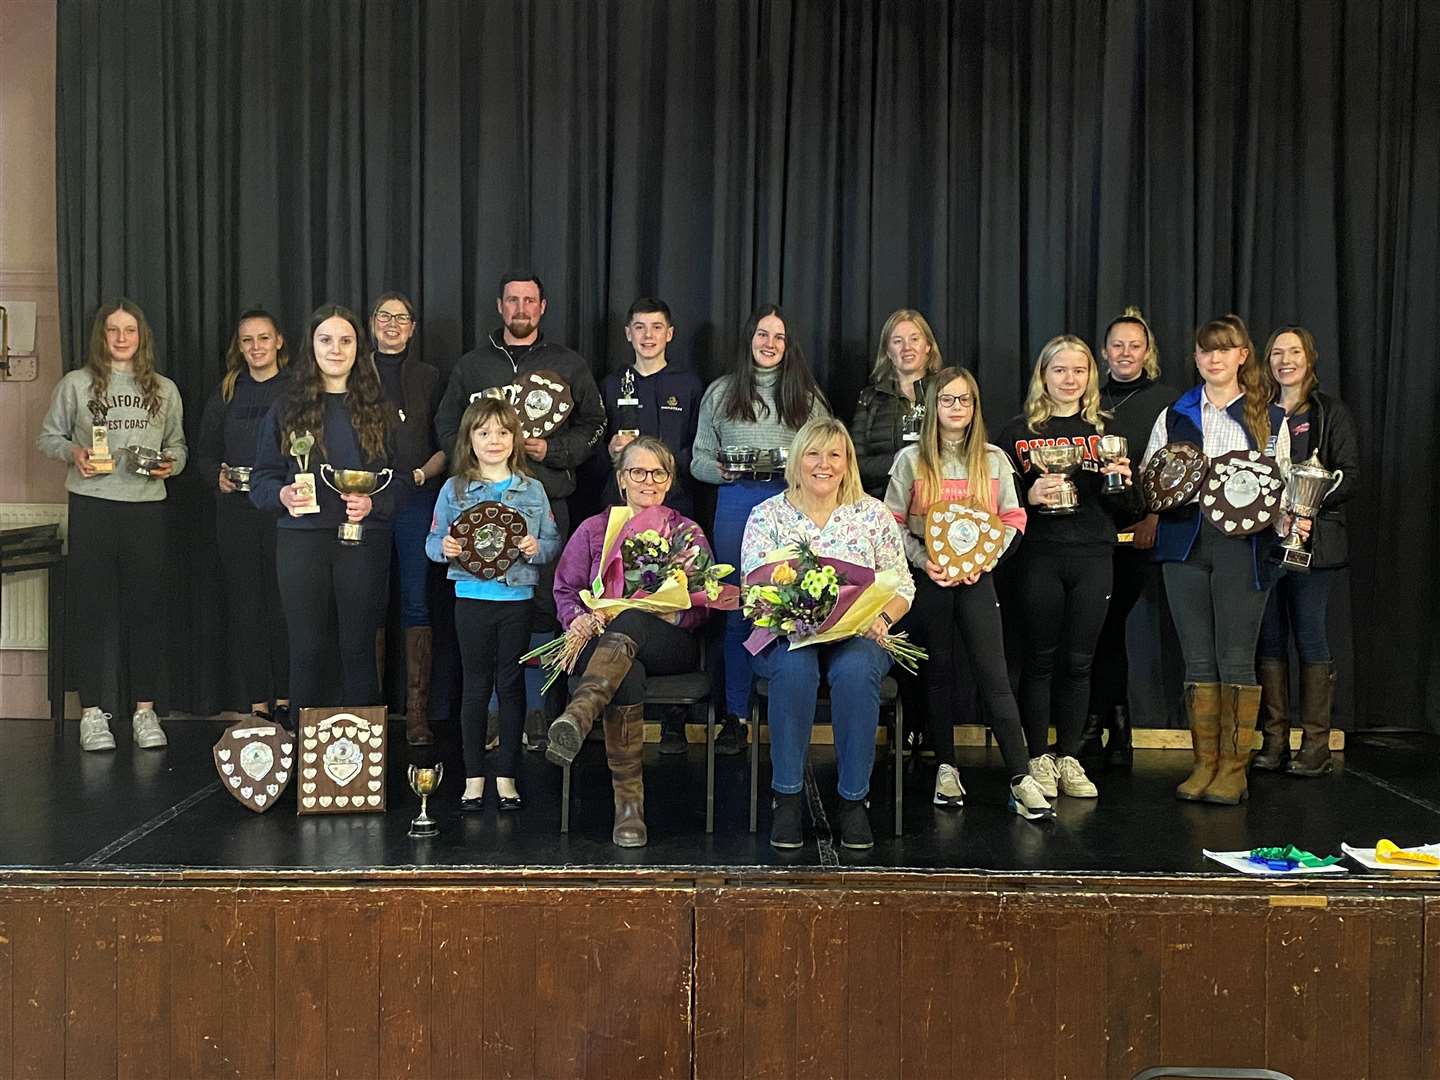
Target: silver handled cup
point(1112, 449)
point(1307, 486)
point(1062, 461)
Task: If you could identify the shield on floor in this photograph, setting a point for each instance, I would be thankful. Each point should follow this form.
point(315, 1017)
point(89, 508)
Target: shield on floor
point(255, 759)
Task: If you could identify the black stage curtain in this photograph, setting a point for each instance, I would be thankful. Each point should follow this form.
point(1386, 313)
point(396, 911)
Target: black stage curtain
point(1014, 169)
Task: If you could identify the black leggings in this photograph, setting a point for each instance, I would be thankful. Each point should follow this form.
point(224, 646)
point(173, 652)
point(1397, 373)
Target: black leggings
point(493, 635)
point(1110, 679)
point(334, 596)
point(115, 581)
point(1064, 597)
point(1216, 607)
point(661, 648)
point(257, 644)
point(945, 621)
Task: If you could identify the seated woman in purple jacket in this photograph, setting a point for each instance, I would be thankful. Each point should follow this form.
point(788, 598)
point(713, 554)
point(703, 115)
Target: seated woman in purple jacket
point(624, 648)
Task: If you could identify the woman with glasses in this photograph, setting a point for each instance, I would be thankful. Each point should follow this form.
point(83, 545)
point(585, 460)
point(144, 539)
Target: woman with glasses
point(624, 648)
point(412, 392)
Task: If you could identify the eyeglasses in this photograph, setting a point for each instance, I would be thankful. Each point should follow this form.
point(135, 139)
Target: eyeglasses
point(384, 317)
point(949, 401)
point(654, 476)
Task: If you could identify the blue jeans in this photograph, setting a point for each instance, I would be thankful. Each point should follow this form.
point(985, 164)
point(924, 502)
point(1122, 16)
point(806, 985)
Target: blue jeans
point(413, 511)
point(733, 504)
point(1298, 603)
point(853, 669)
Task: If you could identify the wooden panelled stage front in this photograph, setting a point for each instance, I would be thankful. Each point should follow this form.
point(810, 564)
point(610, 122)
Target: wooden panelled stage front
point(639, 972)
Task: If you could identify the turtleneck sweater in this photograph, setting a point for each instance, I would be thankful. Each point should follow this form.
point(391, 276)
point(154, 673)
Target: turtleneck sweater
point(766, 432)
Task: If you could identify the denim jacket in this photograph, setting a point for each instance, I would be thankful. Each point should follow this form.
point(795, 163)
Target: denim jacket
point(524, 494)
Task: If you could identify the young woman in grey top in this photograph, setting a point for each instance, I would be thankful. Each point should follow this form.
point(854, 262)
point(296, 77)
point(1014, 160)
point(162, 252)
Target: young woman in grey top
point(765, 399)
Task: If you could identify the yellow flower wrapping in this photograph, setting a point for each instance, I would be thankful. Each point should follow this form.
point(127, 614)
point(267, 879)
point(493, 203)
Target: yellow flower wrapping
point(863, 610)
point(673, 594)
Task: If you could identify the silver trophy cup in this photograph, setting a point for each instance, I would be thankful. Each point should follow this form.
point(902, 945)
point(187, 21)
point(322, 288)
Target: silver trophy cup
point(1308, 485)
point(1112, 449)
point(1062, 461)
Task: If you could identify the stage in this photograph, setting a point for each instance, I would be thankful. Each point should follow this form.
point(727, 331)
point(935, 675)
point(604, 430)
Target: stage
point(149, 925)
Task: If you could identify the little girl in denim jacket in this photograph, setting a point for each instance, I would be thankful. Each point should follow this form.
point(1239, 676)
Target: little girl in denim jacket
point(492, 617)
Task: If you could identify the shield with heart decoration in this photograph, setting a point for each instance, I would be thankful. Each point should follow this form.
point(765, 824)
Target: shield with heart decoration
point(1241, 496)
point(962, 539)
point(255, 759)
point(489, 534)
point(544, 401)
point(1173, 475)
point(342, 761)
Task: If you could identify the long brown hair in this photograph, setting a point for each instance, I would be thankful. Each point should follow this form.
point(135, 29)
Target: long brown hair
point(477, 414)
point(974, 452)
point(1040, 407)
point(1230, 332)
point(304, 408)
point(1311, 382)
point(97, 357)
point(235, 358)
point(795, 391)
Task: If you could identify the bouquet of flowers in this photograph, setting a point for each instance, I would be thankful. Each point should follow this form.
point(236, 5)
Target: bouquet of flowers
point(810, 599)
point(647, 564)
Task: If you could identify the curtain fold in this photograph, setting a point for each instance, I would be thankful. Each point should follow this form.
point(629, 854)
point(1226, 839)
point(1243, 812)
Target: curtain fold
point(1013, 168)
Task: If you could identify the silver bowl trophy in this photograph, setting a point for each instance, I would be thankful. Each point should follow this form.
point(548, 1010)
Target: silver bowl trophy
point(424, 781)
point(1308, 485)
point(239, 476)
point(1112, 449)
point(1063, 461)
point(144, 460)
point(354, 482)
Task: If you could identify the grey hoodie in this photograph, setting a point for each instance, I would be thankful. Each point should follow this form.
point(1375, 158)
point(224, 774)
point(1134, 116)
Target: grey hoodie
point(68, 423)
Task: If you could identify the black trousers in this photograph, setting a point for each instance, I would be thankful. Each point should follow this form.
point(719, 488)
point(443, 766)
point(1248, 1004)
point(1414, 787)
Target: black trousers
point(334, 596)
point(115, 592)
point(1110, 677)
point(956, 623)
point(661, 648)
point(493, 635)
point(1064, 598)
point(258, 649)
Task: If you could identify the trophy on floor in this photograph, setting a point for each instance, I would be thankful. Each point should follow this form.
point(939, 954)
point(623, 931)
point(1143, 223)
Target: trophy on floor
point(1062, 460)
point(1112, 449)
point(354, 482)
point(342, 761)
point(1308, 485)
point(423, 781)
point(100, 459)
point(307, 502)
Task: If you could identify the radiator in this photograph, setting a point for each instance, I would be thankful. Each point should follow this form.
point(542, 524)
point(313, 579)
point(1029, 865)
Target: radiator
point(24, 598)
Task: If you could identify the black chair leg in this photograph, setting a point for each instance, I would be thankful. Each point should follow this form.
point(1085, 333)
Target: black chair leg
point(899, 743)
point(710, 766)
point(565, 799)
point(754, 760)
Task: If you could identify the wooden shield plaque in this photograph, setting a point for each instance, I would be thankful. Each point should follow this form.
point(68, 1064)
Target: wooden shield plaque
point(1173, 476)
point(1242, 494)
point(255, 759)
point(489, 534)
point(342, 761)
point(962, 539)
point(543, 400)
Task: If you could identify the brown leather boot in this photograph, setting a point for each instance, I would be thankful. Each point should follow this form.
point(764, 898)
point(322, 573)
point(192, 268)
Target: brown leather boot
point(609, 663)
point(1317, 696)
point(1274, 714)
point(624, 747)
point(1202, 705)
point(1239, 706)
point(417, 686)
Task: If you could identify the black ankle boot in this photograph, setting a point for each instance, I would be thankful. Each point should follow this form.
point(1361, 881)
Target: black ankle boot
point(1121, 751)
point(854, 825)
point(1090, 738)
point(785, 830)
point(730, 739)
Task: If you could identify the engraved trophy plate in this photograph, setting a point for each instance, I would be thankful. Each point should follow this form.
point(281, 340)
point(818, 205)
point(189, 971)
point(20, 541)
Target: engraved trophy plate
point(489, 534)
point(1173, 475)
point(1241, 496)
point(544, 401)
point(342, 761)
point(962, 539)
point(256, 760)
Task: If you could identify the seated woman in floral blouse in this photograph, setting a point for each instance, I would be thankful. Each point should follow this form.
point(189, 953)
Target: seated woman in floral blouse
point(825, 505)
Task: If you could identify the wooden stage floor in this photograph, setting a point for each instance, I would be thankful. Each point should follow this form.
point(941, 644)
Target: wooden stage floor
point(149, 926)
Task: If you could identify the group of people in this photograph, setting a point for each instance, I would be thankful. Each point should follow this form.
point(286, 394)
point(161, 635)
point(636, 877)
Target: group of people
point(1059, 595)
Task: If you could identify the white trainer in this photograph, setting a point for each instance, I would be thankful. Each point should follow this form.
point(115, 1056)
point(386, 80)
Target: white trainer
point(1027, 800)
point(1045, 772)
point(1074, 782)
point(948, 789)
point(95, 731)
point(148, 733)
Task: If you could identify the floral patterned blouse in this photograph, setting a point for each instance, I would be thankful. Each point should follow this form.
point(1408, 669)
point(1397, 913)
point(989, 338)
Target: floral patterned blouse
point(863, 532)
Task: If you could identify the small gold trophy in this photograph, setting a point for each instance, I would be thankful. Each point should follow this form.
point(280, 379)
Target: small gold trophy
point(424, 781)
point(100, 459)
point(300, 447)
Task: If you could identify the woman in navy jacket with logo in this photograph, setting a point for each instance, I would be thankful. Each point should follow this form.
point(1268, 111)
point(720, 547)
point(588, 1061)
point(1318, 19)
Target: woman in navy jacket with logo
point(1217, 584)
